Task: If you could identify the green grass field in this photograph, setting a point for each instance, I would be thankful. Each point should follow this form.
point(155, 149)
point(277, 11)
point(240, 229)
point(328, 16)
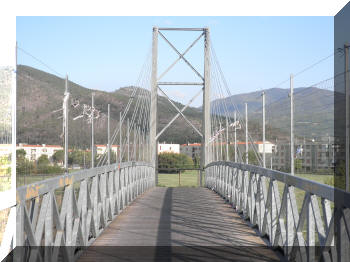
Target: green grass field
point(299, 194)
point(189, 178)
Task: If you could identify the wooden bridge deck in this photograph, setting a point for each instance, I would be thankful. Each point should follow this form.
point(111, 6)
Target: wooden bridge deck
point(186, 224)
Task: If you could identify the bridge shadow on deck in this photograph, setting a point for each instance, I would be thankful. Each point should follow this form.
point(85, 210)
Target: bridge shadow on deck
point(179, 224)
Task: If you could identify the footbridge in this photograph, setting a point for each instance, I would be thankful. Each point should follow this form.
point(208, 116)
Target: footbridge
point(115, 211)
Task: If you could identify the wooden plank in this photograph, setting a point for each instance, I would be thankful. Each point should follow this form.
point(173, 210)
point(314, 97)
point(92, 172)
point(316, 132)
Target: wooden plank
point(180, 218)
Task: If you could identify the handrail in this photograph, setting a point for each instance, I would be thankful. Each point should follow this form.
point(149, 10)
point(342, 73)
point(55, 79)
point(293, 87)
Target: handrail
point(255, 193)
point(313, 187)
point(72, 210)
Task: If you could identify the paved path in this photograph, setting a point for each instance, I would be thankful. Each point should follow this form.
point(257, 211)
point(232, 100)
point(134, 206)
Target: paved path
point(179, 224)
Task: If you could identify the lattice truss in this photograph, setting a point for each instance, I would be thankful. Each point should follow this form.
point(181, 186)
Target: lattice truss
point(199, 75)
point(65, 214)
point(318, 230)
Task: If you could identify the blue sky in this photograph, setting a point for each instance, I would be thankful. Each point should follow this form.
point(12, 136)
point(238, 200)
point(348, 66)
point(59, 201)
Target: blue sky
point(106, 53)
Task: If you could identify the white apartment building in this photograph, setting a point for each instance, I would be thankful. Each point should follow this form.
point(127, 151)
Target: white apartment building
point(100, 149)
point(33, 152)
point(268, 147)
point(169, 148)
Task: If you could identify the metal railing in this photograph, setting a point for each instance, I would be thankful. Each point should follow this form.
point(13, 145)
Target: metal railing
point(304, 233)
point(66, 214)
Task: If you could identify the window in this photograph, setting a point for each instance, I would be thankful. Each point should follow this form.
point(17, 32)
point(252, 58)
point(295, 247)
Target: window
point(44, 150)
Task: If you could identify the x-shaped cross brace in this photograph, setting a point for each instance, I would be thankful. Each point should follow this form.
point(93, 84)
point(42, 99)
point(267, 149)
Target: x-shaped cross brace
point(180, 112)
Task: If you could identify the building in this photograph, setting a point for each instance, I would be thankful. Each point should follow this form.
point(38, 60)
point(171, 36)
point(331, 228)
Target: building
point(101, 149)
point(313, 156)
point(192, 150)
point(33, 152)
point(168, 148)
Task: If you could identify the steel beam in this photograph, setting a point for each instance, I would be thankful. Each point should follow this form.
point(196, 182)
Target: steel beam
point(180, 83)
point(183, 58)
point(206, 105)
point(180, 57)
point(154, 102)
point(180, 29)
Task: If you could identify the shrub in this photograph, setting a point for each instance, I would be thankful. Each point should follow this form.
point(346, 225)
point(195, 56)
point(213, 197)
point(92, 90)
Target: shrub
point(173, 161)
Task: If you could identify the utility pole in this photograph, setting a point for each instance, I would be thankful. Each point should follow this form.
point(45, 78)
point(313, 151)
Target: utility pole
point(109, 135)
point(92, 132)
point(143, 145)
point(291, 126)
point(66, 115)
point(347, 121)
point(271, 160)
point(139, 142)
point(220, 141)
point(227, 140)
point(120, 137)
point(246, 134)
point(263, 115)
point(134, 142)
point(128, 137)
point(235, 137)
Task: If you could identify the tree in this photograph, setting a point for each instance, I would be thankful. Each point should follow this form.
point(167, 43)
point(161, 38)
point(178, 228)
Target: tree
point(23, 165)
point(169, 162)
point(20, 154)
point(43, 160)
point(58, 156)
point(196, 161)
point(42, 164)
point(252, 159)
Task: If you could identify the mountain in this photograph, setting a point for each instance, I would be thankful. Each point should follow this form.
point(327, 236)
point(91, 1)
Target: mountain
point(39, 94)
point(313, 109)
